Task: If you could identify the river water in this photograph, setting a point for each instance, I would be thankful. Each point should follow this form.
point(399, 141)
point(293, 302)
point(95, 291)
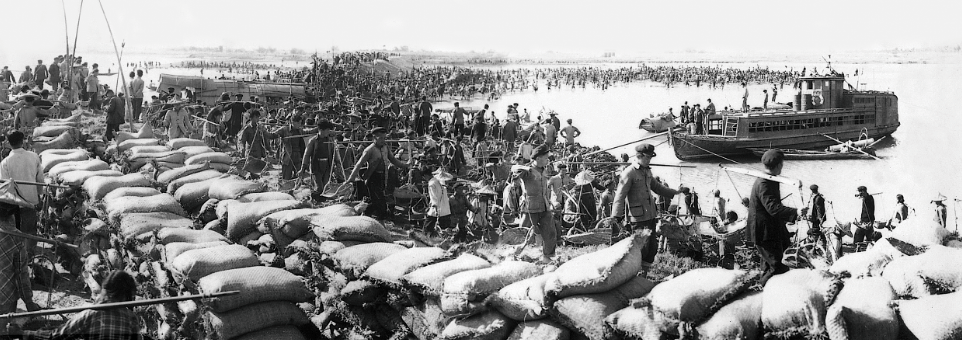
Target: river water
point(919, 161)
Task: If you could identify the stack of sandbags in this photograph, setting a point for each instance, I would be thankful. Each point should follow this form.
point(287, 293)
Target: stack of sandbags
point(464, 293)
point(191, 151)
point(134, 160)
point(599, 271)
point(136, 224)
point(429, 280)
point(585, 314)
point(936, 317)
point(193, 177)
point(867, 263)
point(268, 300)
point(391, 269)
point(242, 217)
point(145, 131)
point(674, 307)
point(98, 187)
point(52, 131)
point(87, 165)
point(167, 177)
point(795, 303)
point(122, 147)
point(918, 232)
point(349, 228)
point(234, 187)
point(354, 261)
point(118, 207)
point(192, 195)
point(863, 310)
point(50, 158)
point(217, 160)
point(78, 177)
point(937, 270)
point(287, 225)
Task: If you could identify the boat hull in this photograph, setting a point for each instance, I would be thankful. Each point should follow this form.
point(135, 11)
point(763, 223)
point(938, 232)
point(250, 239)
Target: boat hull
point(689, 147)
point(815, 155)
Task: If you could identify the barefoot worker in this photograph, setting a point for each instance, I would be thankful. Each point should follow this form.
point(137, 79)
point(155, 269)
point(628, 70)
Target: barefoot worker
point(634, 191)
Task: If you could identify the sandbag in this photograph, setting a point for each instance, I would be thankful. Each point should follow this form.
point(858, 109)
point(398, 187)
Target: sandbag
point(695, 295)
point(65, 141)
point(169, 176)
point(209, 157)
point(862, 311)
point(461, 289)
point(353, 261)
point(132, 191)
point(45, 153)
point(360, 292)
point(430, 279)
point(220, 166)
point(932, 317)
point(903, 274)
point(145, 131)
point(98, 187)
point(540, 329)
point(48, 161)
point(242, 217)
point(286, 332)
point(259, 284)
point(390, 270)
point(293, 223)
point(164, 156)
point(586, 314)
point(78, 177)
point(88, 165)
point(170, 235)
point(599, 271)
point(127, 144)
point(488, 326)
point(195, 177)
point(265, 196)
point(171, 250)
point(523, 300)
point(52, 130)
point(867, 263)
point(191, 151)
point(254, 317)
point(121, 206)
point(136, 224)
point(636, 322)
point(234, 187)
point(941, 267)
point(794, 303)
point(178, 143)
point(147, 149)
point(351, 228)
point(739, 319)
point(920, 232)
point(198, 263)
point(193, 195)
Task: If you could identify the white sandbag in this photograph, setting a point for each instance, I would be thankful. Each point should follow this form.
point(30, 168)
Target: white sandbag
point(195, 177)
point(351, 228)
point(48, 161)
point(251, 318)
point(692, 297)
point(932, 317)
point(53, 130)
point(920, 232)
point(353, 261)
point(198, 263)
point(171, 235)
point(867, 263)
point(488, 326)
point(88, 165)
point(540, 329)
point(234, 187)
point(463, 291)
point(147, 149)
point(209, 157)
point(739, 319)
point(862, 312)
point(523, 300)
point(191, 151)
point(169, 176)
point(136, 224)
point(430, 279)
point(390, 270)
point(78, 177)
point(131, 191)
point(939, 269)
point(127, 205)
point(265, 196)
point(145, 131)
point(177, 143)
point(127, 144)
point(242, 217)
point(794, 303)
point(260, 284)
point(171, 250)
point(599, 271)
point(65, 141)
point(98, 187)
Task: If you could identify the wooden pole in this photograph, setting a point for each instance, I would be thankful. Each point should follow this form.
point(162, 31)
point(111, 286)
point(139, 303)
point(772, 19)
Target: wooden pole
point(629, 143)
point(113, 305)
point(856, 149)
point(626, 163)
point(20, 234)
point(39, 184)
point(73, 55)
point(120, 67)
point(66, 30)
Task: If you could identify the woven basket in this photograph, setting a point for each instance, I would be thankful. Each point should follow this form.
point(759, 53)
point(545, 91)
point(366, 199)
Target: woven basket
point(593, 237)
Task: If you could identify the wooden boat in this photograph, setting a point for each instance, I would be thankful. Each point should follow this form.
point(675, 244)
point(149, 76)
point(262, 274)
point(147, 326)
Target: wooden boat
point(209, 90)
point(822, 108)
point(796, 154)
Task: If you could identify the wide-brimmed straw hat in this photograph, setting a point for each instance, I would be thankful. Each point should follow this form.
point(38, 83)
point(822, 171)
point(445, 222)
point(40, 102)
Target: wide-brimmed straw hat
point(485, 190)
point(442, 175)
point(584, 177)
point(939, 198)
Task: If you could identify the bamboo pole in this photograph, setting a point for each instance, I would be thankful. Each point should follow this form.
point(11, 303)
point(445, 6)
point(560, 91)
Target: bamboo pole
point(20, 234)
point(66, 30)
point(626, 163)
point(112, 305)
point(629, 143)
point(72, 58)
point(39, 184)
point(120, 67)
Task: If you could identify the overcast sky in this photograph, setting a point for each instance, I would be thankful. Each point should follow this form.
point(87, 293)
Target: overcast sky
point(510, 26)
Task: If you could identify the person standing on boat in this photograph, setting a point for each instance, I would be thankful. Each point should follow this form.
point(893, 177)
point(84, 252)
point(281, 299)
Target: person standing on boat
point(684, 113)
point(745, 98)
point(765, 102)
point(634, 194)
point(710, 108)
point(867, 218)
point(699, 116)
point(774, 93)
point(767, 218)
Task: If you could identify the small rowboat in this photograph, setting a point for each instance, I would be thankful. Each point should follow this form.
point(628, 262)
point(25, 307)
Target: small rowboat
point(795, 154)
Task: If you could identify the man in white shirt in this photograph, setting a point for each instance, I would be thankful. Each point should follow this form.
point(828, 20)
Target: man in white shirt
point(137, 95)
point(439, 214)
point(23, 165)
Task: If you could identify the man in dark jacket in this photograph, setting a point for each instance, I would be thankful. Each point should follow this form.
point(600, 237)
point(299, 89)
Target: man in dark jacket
point(867, 219)
point(115, 114)
point(767, 218)
point(817, 217)
point(318, 159)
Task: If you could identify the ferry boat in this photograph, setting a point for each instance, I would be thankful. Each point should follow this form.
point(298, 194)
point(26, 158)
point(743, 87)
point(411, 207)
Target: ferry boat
point(823, 107)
